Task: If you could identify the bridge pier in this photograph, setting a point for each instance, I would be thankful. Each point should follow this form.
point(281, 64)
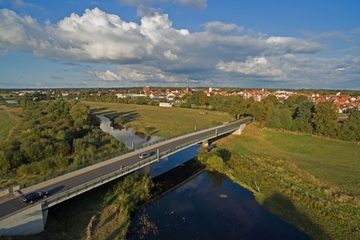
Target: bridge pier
point(31, 219)
point(28, 222)
point(240, 130)
point(205, 145)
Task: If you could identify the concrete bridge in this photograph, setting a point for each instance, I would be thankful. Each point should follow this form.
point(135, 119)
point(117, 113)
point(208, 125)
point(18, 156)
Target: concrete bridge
point(17, 218)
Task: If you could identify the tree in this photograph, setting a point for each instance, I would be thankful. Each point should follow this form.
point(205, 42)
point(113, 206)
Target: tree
point(303, 117)
point(325, 119)
point(238, 106)
point(271, 99)
point(285, 118)
point(203, 98)
point(350, 129)
point(5, 165)
point(80, 114)
point(278, 117)
point(57, 109)
point(293, 102)
point(257, 110)
point(142, 100)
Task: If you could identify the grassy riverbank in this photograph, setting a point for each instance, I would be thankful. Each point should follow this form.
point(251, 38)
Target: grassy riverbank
point(160, 121)
point(309, 182)
point(6, 123)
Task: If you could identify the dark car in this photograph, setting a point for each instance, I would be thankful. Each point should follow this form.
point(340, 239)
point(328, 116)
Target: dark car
point(32, 197)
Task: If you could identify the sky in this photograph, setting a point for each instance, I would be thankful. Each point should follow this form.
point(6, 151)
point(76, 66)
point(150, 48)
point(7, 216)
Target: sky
point(277, 44)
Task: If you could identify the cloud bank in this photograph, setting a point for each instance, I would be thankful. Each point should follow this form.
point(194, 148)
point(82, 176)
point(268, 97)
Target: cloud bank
point(223, 54)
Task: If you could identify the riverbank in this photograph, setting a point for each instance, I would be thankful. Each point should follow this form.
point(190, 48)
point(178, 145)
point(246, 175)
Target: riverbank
point(103, 213)
point(299, 180)
point(313, 185)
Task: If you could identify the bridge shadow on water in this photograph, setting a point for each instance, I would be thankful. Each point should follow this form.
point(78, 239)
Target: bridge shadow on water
point(288, 209)
point(173, 179)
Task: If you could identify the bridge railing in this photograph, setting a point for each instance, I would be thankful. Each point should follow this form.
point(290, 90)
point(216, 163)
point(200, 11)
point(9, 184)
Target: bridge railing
point(98, 160)
point(96, 182)
point(121, 172)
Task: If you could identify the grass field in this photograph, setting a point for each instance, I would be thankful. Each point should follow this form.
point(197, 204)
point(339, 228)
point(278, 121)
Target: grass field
point(6, 124)
point(160, 121)
point(331, 160)
point(310, 182)
point(336, 162)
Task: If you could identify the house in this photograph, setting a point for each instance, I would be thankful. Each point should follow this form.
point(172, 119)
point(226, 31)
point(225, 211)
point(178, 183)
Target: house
point(165, 104)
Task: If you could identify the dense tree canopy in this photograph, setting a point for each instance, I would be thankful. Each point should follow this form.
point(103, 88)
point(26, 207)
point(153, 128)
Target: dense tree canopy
point(325, 119)
point(54, 135)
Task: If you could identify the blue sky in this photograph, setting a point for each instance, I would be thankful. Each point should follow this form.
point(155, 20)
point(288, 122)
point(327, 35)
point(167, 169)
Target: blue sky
point(278, 44)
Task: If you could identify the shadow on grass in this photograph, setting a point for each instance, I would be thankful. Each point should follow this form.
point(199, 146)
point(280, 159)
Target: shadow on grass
point(127, 116)
point(109, 219)
point(98, 110)
point(284, 208)
point(151, 130)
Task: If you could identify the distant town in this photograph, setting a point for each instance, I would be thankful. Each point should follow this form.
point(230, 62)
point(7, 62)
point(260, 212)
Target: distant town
point(343, 100)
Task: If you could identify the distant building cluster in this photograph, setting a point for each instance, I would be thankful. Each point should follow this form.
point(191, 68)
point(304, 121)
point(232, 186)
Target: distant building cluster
point(168, 97)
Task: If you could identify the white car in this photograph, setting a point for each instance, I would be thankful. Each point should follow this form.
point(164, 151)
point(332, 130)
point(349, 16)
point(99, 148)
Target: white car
point(144, 155)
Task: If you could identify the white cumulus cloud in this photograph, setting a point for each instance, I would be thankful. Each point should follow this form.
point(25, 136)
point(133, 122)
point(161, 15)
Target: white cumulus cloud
point(107, 75)
point(197, 4)
point(170, 56)
point(258, 66)
point(154, 51)
point(222, 28)
point(293, 45)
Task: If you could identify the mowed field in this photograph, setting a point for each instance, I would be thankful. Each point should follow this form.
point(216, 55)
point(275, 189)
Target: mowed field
point(337, 162)
point(6, 124)
point(160, 121)
point(333, 161)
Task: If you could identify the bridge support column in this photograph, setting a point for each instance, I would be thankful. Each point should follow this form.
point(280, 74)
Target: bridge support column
point(205, 145)
point(28, 222)
point(240, 130)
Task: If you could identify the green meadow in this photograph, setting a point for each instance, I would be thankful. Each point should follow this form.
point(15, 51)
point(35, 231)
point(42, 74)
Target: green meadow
point(336, 162)
point(6, 124)
point(312, 183)
point(160, 121)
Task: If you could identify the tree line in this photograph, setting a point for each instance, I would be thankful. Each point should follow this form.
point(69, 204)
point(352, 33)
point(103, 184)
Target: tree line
point(296, 113)
point(55, 135)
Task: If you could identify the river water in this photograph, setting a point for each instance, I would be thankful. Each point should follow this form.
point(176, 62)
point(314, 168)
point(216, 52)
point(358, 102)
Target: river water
point(128, 136)
point(209, 206)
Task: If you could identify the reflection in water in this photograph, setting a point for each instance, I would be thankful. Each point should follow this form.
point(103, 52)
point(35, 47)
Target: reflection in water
point(197, 210)
point(209, 206)
point(11, 101)
point(129, 137)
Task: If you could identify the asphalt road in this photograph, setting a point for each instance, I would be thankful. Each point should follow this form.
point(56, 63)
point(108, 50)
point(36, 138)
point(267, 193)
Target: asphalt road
point(71, 180)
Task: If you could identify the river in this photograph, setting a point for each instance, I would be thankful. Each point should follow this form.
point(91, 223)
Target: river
point(209, 206)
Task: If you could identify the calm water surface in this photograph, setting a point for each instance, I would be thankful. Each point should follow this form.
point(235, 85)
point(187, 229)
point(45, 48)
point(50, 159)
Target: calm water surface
point(210, 206)
point(11, 101)
point(128, 136)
